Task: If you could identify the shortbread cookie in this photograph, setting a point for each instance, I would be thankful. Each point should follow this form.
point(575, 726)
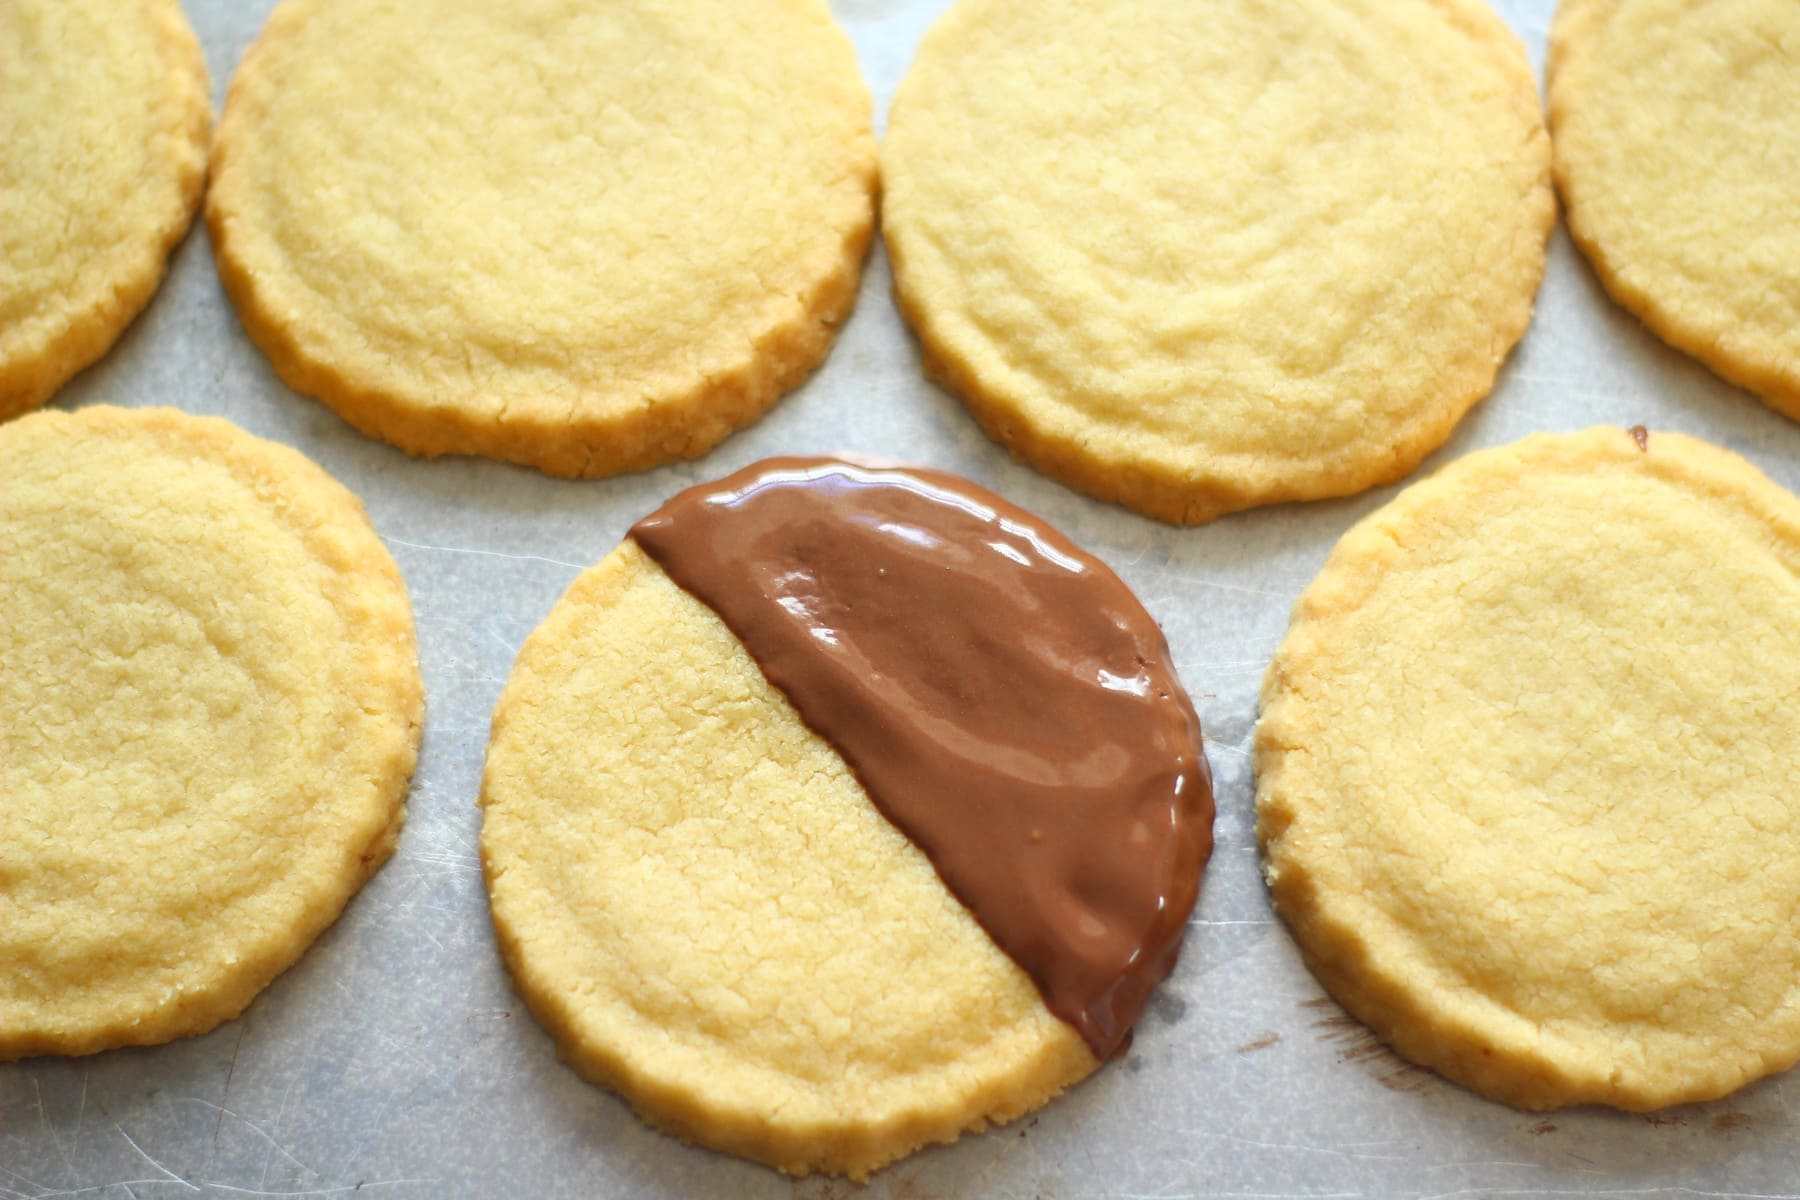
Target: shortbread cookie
point(103, 126)
point(209, 710)
point(586, 237)
point(1678, 155)
point(1525, 773)
point(1197, 257)
point(892, 844)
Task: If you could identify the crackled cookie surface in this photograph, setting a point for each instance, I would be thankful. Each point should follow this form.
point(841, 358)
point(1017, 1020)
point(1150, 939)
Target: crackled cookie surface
point(586, 237)
point(103, 120)
point(1678, 155)
point(1525, 772)
point(1198, 257)
point(209, 709)
point(794, 937)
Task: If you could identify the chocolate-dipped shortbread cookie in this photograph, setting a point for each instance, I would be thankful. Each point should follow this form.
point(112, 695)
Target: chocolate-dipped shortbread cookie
point(841, 809)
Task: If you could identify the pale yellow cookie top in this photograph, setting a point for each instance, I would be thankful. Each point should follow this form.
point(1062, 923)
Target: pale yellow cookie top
point(1525, 772)
point(587, 237)
point(707, 912)
point(1678, 155)
point(103, 127)
point(1197, 257)
point(209, 709)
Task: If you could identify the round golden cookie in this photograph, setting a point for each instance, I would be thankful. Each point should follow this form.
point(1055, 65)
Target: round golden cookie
point(585, 237)
point(1198, 257)
point(701, 904)
point(103, 126)
point(1525, 772)
point(209, 710)
point(1677, 132)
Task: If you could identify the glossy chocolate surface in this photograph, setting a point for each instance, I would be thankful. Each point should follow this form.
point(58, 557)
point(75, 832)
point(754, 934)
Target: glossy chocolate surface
point(1003, 698)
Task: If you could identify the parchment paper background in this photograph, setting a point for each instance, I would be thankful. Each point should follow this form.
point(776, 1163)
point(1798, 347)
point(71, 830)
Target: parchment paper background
point(394, 1060)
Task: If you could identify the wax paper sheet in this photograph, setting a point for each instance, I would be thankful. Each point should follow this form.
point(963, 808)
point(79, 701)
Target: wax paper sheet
point(394, 1060)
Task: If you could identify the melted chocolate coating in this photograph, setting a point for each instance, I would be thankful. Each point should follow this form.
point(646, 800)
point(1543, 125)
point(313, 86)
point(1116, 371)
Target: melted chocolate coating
point(1004, 699)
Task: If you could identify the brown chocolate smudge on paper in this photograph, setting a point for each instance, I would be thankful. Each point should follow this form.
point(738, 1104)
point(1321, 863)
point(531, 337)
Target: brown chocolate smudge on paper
point(1357, 1043)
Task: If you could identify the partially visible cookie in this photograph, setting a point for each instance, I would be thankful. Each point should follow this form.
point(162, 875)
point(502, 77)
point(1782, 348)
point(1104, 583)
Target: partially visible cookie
point(585, 237)
point(1193, 258)
point(1678, 156)
point(209, 710)
point(1525, 772)
point(103, 121)
point(837, 867)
